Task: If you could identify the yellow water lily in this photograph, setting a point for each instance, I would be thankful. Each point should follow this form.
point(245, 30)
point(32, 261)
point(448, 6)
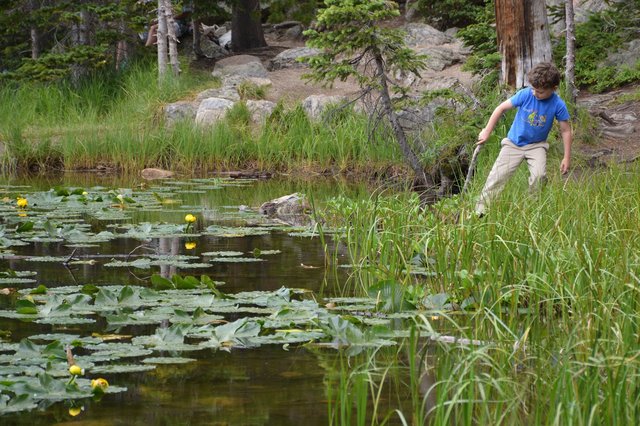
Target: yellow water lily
point(22, 214)
point(76, 370)
point(190, 245)
point(190, 218)
point(22, 202)
point(74, 411)
point(99, 384)
point(85, 193)
point(120, 197)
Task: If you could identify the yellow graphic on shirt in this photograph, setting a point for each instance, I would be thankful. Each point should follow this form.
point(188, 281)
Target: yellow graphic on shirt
point(536, 120)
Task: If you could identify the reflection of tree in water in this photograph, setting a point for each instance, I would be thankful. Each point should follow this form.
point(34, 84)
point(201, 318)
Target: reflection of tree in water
point(168, 246)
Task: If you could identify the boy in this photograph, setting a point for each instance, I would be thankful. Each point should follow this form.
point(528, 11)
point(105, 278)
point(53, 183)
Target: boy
point(537, 106)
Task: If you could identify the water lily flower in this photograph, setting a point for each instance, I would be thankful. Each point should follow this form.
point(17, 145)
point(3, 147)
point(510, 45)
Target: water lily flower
point(120, 197)
point(22, 214)
point(22, 202)
point(190, 218)
point(74, 411)
point(190, 245)
point(85, 193)
point(76, 370)
point(99, 384)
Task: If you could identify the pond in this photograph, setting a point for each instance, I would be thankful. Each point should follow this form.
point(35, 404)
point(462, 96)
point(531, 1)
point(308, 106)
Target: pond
point(120, 276)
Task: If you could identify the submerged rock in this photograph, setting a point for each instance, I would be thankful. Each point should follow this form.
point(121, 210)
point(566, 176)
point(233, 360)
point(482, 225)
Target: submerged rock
point(291, 209)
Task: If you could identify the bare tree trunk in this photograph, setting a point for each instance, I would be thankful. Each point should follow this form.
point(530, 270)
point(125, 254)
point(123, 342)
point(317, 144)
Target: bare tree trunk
point(246, 26)
point(34, 32)
point(122, 46)
point(570, 65)
point(172, 38)
point(161, 35)
point(398, 131)
point(197, 34)
point(81, 37)
point(523, 38)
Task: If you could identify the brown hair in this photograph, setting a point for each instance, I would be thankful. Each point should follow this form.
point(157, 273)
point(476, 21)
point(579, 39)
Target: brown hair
point(544, 75)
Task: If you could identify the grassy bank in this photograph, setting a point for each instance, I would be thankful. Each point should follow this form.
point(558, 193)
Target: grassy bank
point(117, 120)
point(545, 286)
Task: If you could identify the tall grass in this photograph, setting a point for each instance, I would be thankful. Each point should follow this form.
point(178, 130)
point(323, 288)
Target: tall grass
point(550, 284)
point(118, 120)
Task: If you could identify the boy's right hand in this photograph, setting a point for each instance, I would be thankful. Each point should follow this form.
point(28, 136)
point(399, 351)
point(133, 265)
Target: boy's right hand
point(483, 136)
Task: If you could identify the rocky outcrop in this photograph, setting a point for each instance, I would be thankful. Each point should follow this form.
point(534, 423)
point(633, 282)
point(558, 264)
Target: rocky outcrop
point(178, 111)
point(291, 209)
point(260, 110)
point(152, 174)
point(316, 105)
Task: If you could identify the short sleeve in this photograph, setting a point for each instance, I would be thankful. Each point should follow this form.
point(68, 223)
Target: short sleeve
point(562, 113)
point(519, 97)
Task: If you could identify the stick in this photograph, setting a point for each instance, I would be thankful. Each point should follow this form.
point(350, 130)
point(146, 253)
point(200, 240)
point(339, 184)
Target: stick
point(472, 167)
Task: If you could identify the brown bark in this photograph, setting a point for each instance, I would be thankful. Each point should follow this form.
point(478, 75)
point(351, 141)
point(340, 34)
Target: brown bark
point(246, 26)
point(523, 38)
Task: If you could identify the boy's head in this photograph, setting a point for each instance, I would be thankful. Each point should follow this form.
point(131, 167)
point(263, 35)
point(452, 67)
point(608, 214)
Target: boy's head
point(544, 75)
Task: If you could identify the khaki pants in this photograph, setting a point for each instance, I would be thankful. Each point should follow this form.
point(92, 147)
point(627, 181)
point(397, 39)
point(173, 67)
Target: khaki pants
point(506, 164)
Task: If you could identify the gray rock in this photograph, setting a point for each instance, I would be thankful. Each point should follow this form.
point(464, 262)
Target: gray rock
point(212, 50)
point(225, 40)
point(260, 110)
point(212, 110)
point(627, 55)
point(224, 92)
point(240, 65)
point(316, 105)
point(289, 58)
point(178, 111)
point(443, 56)
point(425, 35)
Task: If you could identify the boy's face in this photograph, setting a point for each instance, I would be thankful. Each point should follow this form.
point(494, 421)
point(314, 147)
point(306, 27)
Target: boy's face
point(543, 93)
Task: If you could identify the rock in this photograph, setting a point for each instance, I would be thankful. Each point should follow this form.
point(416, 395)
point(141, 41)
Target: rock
point(240, 65)
point(225, 40)
point(289, 58)
point(294, 33)
point(212, 50)
point(425, 35)
point(178, 111)
point(260, 110)
point(224, 92)
point(233, 81)
point(316, 105)
point(151, 174)
point(627, 55)
point(288, 205)
point(212, 110)
point(441, 57)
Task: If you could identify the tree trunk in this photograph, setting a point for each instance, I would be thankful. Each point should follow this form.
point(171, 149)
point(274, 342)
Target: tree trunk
point(570, 64)
point(81, 37)
point(246, 26)
point(34, 32)
point(172, 38)
point(523, 38)
point(161, 35)
point(398, 131)
point(122, 46)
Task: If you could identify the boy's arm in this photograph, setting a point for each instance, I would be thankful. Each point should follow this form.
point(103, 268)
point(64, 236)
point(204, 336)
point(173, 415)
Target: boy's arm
point(567, 139)
point(493, 120)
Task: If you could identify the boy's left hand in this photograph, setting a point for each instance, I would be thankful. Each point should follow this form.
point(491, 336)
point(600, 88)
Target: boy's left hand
point(565, 165)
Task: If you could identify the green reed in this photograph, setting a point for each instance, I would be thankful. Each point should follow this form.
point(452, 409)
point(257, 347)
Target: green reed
point(550, 282)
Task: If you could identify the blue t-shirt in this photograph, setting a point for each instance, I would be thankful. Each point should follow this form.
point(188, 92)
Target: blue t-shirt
point(535, 117)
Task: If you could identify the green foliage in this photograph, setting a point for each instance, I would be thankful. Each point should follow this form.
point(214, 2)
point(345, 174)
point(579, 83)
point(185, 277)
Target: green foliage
point(444, 14)
point(351, 31)
point(482, 39)
point(603, 34)
point(298, 10)
point(249, 90)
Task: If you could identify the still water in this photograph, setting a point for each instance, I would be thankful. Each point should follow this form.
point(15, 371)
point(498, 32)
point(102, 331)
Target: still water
point(267, 385)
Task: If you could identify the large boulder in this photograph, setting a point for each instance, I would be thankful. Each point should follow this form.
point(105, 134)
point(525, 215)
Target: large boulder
point(443, 56)
point(153, 173)
point(212, 110)
point(240, 65)
point(289, 58)
point(224, 92)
